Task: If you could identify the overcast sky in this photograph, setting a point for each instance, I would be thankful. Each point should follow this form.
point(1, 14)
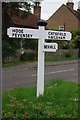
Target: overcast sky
point(48, 7)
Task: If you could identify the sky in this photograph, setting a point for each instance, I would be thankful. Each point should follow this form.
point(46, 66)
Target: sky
point(48, 7)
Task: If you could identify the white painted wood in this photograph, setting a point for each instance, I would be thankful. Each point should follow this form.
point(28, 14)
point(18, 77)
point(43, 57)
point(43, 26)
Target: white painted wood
point(40, 74)
point(57, 35)
point(14, 32)
point(34, 33)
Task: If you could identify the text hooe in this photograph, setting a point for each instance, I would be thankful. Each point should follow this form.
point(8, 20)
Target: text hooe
point(19, 33)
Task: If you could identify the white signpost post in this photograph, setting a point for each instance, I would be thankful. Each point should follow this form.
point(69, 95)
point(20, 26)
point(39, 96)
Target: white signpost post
point(40, 34)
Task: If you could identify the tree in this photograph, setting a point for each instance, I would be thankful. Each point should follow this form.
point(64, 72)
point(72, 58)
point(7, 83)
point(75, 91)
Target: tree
point(9, 45)
point(17, 5)
point(31, 44)
point(73, 43)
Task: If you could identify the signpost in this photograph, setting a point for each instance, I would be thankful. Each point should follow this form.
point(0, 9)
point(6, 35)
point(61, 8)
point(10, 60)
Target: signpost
point(14, 32)
point(40, 34)
point(50, 47)
point(57, 35)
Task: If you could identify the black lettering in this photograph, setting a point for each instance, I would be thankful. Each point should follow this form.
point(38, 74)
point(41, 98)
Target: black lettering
point(56, 38)
point(51, 46)
point(63, 37)
point(24, 35)
point(20, 31)
point(45, 46)
point(64, 34)
point(56, 33)
point(61, 34)
point(27, 35)
point(48, 46)
point(13, 34)
point(49, 33)
point(53, 33)
point(17, 30)
point(31, 35)
point(49, 37)
point(13, 30)
point(19, 35)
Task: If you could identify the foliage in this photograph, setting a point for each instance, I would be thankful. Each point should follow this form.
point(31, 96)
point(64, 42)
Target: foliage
point(26, 6)
point(28, 56)
point(60, 100)
point(9, 45)
point(68, 54)
point(31, 44)
point(73, 43)
point(17, 5)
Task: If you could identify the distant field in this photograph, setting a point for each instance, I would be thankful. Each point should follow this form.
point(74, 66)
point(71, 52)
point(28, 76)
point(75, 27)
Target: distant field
point(60, 100)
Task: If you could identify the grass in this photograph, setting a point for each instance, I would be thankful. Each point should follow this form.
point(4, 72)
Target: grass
point(51, 59)
point(13, 63)
point(60, 100)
